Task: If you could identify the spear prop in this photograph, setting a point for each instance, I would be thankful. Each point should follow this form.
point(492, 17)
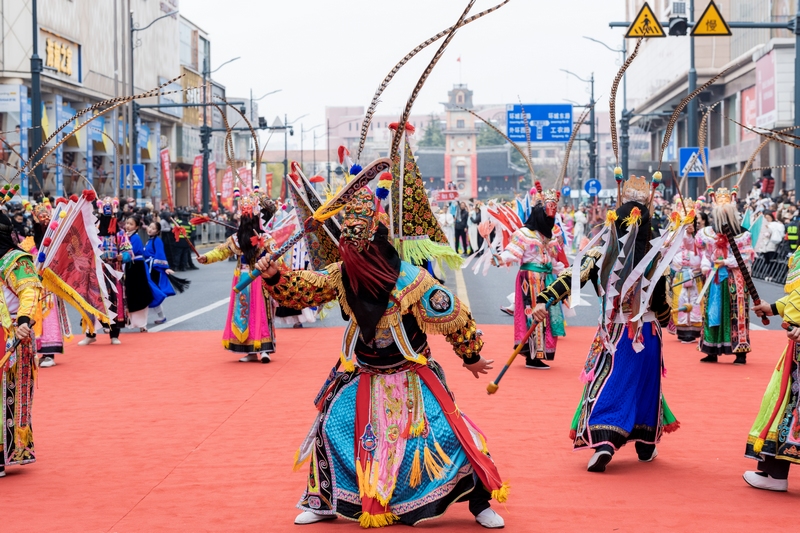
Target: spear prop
point(492, 387)
point(180, 231)
point(748, 281)
point(249, 277)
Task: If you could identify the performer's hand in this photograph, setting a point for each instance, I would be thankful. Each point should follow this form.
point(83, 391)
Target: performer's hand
point(202, 260)
point(268, 268)
point(794, 334)
point(480, 367)
point(23, 331)
point(762, 309)
point(540, 312)
point(171, 272)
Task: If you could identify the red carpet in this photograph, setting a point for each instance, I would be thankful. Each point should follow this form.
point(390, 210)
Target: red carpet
point(169, 433)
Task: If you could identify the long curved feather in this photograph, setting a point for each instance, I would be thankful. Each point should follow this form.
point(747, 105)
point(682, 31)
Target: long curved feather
point(676, 114)
point(701, 136)
point(527, 130)
point(612, 100)
point(255, 138)
point(385, 83)
point(418, 87)
point(509, 141)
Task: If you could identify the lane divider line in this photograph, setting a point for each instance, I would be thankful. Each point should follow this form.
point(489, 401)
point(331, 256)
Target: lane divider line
point(461, 288)
point(188, 316)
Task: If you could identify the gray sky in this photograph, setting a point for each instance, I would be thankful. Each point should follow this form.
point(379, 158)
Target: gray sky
point(335, 53)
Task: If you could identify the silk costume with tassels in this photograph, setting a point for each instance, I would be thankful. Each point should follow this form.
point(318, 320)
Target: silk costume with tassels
point(19, 302)
point(622, 400)
point(775, 434)
point(415, 452)
point(726, 303)
point(686, 284)
point(540, 262)
point(249, 326)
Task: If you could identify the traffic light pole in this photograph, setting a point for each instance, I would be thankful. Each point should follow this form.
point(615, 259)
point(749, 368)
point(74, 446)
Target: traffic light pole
point(792, 25)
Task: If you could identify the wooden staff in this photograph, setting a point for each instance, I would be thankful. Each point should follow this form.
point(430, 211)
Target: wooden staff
point(492, 387)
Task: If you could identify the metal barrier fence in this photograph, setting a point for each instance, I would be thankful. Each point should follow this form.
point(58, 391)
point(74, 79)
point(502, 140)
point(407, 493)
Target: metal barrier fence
point(210, 234)
point(774, 270)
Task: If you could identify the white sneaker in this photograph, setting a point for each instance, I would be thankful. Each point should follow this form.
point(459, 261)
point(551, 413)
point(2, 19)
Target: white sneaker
point(249, 358)
point(655, 454)
point(599, 461)
point(307, 517)
point(490, 519)
point(2, 471)
point(116, 341)
point(46, 362)
point(766, 482)
point(265, 358)
point(86, 341)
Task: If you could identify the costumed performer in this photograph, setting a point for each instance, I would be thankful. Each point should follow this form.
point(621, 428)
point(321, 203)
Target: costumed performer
point(157, 261)
point(55, 322)
point(774, 439)
point(142, 293)
point(388, 444)
point(686, 284)
point(19, 304)
point(116, 250)
point(622, 401)
point(541, 258)
point(726, 303)
point(249, 328)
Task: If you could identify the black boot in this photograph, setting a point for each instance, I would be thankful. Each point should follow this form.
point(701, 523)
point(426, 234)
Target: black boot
point(709, 359)
point(535, 363)
point(741, 359)
point(646, 452)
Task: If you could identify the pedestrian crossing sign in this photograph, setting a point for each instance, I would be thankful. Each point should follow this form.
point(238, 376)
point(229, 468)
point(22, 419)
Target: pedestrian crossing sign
point(646, 24)
point(691, 163)
point(711, 23)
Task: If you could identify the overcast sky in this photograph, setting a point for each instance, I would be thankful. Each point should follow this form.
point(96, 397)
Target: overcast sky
point(335, 53)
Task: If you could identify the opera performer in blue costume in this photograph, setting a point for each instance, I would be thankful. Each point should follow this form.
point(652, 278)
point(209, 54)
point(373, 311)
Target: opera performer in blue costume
point(388, 445)
point(622, 400)
point(161, 275)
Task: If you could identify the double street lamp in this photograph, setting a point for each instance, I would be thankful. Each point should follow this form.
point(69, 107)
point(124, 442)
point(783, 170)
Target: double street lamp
point(302, 137)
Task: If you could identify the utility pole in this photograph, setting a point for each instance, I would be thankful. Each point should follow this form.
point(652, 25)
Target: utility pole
point(115, 112)
point(625, 120)
point(592, 135)
point(328, 142)
point(691, 109)
point(36, 101)
point(132, 130)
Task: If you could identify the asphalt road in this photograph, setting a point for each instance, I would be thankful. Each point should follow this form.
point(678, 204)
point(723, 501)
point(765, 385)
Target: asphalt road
point(204, 305)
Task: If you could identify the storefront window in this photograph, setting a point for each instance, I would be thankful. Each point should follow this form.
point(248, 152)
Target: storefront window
point(186, 46)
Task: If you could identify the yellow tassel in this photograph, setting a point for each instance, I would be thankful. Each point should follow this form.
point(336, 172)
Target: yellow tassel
point(347, 365)
point(441, 453)
point(367, 520)
point(432, 466)
point(757, 445)
point(298, 464)
point(374, 473)
point(484, 447)
point(501, 495)
point(23, 436)
point(416, 471)
point(360, 478)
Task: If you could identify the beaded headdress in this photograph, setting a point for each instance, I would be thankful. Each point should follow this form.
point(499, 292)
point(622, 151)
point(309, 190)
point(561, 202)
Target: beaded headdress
point(544, 196)
point(723, 196)
point(249, 204)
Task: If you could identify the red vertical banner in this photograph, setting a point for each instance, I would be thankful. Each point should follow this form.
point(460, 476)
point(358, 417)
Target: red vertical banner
point(166, 171)
point(212, 185)
point(247, 180)
point(197, 181)
point(227, 189)
point(269, 184)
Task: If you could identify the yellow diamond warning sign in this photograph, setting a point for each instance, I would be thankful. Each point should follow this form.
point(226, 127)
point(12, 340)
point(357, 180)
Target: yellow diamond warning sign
point(645, 25)
point(711, 23)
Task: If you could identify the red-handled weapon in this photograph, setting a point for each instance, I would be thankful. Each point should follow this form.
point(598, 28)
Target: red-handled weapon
point(748, 280)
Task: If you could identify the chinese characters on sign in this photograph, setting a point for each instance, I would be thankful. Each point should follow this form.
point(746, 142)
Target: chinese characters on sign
point(546, 122)
point(61, 56)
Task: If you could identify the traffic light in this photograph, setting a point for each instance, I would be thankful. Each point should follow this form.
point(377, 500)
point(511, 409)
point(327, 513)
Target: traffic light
point(262, 123)
point(678, 26)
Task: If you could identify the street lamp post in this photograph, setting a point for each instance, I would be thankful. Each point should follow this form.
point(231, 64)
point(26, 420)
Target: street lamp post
point(625, 119)
point(302, 137)
point(290, 131)
point(253, 156)
point(36, 94)
point(592, 131)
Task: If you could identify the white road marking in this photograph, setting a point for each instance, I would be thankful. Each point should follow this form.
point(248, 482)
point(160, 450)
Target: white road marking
point(188, 316)
point(461, 288)
point(756, 327)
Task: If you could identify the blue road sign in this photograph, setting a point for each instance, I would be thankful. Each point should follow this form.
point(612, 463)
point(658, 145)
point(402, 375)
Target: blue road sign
point(592, 187)
point(565, 190)
point(548, 122)
point(696, 170)
point(133, 180)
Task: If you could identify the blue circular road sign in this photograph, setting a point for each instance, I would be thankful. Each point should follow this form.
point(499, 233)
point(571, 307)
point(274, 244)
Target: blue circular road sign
point(592, 187)
point(565, 191)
